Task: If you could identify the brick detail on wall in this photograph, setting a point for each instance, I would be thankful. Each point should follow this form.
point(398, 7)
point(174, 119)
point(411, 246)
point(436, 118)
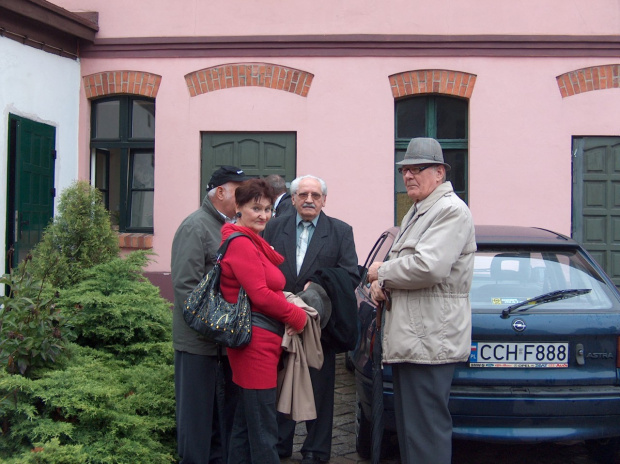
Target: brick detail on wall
point(587, 79)
point(135, 241)
point(121, 82)
point(455, 83)
point(271, 76)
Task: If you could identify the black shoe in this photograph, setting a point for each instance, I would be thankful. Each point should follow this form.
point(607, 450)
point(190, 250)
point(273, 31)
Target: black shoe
point(311, 458)
point(285, 454)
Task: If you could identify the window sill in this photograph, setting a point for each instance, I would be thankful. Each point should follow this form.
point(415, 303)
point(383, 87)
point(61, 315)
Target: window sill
point(135, 241)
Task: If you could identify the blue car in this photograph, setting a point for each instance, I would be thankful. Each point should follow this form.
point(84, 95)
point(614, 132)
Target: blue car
point(544, 362)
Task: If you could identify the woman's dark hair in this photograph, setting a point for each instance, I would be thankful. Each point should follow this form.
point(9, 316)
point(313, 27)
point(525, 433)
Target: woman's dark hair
point(254, 190)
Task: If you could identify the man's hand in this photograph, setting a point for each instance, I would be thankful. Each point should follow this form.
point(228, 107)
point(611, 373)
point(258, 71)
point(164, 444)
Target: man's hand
point(376, 292)
point(373, 271)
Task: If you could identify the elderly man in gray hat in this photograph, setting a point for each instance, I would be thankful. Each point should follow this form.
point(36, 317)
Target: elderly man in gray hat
point(425, 285)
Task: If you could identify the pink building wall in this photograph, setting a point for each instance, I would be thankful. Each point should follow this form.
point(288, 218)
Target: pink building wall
point(520, 127)
point(154, 18)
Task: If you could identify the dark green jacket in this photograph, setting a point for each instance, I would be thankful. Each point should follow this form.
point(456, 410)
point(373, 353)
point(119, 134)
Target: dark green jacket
point(194, 248)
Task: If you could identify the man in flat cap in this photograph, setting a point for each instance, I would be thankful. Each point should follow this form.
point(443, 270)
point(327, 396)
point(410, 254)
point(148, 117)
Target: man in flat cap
point(427, 329)
point(195, 244)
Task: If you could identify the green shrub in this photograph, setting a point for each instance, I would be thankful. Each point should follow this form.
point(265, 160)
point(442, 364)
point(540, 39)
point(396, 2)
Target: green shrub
point(114, 401)
point(97, 410)
point(88, 371)
point(52, 452)
point(118, 310)
point(33, 329)
point(79, 237)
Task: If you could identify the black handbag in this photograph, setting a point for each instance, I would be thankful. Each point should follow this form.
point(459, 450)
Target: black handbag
point(207, 312)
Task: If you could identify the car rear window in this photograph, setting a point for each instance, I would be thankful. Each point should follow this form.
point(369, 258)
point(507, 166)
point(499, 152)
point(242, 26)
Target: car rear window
point(503, 277)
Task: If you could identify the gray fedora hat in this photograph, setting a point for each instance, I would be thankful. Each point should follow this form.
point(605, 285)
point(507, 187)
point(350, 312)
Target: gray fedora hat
point(423, 150)
point(316, 297)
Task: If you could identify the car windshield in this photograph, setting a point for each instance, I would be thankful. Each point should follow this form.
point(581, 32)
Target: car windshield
point(506, 277)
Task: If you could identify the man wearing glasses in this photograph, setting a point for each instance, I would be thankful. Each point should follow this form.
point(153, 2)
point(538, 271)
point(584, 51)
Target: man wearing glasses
point(312, 242)
point(427, 329)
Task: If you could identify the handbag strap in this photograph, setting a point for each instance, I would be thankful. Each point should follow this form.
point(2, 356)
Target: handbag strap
point(222, 249)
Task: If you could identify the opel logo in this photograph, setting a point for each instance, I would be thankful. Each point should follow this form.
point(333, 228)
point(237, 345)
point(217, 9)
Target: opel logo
point(518, 325)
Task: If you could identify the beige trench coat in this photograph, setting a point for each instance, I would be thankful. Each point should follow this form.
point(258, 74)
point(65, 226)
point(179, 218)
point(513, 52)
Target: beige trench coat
point(295, 396)
point(429, 273)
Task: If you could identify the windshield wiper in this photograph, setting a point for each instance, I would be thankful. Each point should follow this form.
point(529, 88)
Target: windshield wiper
point(544, 298)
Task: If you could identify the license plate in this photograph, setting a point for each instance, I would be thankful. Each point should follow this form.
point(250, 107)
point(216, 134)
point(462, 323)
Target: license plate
point(530, 355)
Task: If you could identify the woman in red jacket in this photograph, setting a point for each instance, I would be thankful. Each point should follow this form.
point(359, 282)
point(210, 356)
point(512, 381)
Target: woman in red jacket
point(252, 264)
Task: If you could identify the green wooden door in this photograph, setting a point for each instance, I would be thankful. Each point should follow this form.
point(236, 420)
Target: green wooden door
point(31, 190)
point(596, 199)
point(257, 153)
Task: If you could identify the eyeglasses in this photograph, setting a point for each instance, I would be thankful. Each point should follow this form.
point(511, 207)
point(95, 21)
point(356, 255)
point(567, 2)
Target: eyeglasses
point(414, 170)
point(314, 195)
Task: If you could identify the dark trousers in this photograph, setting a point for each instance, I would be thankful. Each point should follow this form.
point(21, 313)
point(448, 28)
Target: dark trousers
point(423, 421)
point(255, 429)
point(319, 437)
point(198, 424)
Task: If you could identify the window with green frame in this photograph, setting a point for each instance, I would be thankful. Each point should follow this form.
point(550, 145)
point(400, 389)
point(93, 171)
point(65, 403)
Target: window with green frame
point(442, 118)
point(123, 159)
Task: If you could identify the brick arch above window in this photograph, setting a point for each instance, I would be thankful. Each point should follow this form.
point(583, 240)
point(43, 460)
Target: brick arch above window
point(447, 82)
point(271, 76)
point(106, 83)
point(588, 79)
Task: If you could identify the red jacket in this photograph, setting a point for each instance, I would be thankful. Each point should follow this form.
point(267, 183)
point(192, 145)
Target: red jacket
point(246, 265)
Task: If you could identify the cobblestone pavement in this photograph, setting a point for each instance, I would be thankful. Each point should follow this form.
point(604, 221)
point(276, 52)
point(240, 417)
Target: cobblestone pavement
point(343, 444)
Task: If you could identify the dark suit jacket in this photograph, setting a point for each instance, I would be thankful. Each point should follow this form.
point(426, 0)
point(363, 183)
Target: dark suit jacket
point(332, 245)
point(285, 206)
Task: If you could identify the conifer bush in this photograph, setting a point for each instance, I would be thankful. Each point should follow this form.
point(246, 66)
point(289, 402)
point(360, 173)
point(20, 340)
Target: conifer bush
point(117, 310)
point(108, 395)
point(79, 237)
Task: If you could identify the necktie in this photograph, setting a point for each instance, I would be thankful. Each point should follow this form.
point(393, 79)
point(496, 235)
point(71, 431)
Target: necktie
point(302, 246)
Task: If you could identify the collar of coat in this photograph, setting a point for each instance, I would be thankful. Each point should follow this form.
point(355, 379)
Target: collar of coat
point(441, 190)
